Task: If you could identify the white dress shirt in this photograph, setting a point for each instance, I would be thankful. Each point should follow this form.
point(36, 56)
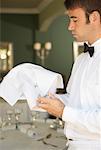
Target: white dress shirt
point(82, 112)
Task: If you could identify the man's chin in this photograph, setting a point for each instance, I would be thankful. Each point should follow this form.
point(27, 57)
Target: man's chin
point(79, 40)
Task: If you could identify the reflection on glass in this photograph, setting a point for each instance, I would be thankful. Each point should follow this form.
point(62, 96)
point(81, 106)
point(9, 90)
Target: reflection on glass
point(9, 117)
point(57, 123)
point(2, 124)
point(34, 117)
point(17, 116)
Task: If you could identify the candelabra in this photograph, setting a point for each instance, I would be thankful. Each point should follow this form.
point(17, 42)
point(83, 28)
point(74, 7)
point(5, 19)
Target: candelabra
point(42, 50)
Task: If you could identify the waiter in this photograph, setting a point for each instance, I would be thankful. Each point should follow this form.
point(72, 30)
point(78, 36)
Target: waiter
point(82, 112)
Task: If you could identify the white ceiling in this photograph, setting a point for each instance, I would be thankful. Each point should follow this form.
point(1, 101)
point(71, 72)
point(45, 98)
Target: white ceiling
point(23, 6)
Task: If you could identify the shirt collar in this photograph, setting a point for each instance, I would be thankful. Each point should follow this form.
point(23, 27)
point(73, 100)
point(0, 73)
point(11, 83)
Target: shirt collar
point(97, 42)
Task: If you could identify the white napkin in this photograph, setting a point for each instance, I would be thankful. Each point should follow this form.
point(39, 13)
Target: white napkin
point(28, 81)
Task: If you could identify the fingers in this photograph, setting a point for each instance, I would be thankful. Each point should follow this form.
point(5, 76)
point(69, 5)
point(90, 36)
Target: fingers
point(52, 105)
point(43, 105)
point(51, 96)
point(42, 100)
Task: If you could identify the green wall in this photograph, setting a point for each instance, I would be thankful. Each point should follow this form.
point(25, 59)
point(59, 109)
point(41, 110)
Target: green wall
point(20, 30)
point(60, 58)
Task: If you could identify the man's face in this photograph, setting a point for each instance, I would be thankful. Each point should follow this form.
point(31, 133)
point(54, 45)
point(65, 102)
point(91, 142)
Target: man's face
point(79, 28)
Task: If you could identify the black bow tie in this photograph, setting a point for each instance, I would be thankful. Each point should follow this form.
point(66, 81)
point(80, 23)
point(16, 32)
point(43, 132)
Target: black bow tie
point(88, 49)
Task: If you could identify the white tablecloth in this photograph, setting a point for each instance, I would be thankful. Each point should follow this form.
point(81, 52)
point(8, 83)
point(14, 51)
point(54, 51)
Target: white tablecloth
point(16, 140)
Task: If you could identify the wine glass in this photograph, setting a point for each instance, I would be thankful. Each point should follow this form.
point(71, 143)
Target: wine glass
point(34, 115)
point(17, 116)
point(9, 116)
point(57, 123)
point(2, 124)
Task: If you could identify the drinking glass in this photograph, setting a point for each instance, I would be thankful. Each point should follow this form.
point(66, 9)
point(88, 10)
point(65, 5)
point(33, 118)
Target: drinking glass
point(34, 115)
point(9, 116)
point(17, 116)
point(57, 123)
point(2, 124)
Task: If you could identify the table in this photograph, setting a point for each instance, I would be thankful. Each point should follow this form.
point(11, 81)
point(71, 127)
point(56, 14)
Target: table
point(16, 140)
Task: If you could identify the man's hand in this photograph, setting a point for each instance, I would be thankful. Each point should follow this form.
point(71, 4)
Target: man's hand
point(52, 105)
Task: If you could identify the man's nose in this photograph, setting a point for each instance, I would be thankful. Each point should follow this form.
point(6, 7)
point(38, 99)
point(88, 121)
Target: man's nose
point(71, 26)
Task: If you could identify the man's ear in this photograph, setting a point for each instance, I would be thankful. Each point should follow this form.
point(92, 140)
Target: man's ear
point(94, 16)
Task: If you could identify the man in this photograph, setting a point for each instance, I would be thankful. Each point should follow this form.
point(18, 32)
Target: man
point(82, 112)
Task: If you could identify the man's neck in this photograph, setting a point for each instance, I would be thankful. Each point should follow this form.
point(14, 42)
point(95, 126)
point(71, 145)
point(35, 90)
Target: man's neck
point(93, 40)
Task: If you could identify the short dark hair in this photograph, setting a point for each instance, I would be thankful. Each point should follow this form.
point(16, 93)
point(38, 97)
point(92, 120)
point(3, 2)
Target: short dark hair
point(88, 5)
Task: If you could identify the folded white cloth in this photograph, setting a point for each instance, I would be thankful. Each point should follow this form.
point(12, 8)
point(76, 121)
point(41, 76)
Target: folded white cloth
point(28, 81)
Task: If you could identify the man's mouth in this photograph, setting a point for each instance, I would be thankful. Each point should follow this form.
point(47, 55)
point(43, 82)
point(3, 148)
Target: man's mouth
point(74, 35)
